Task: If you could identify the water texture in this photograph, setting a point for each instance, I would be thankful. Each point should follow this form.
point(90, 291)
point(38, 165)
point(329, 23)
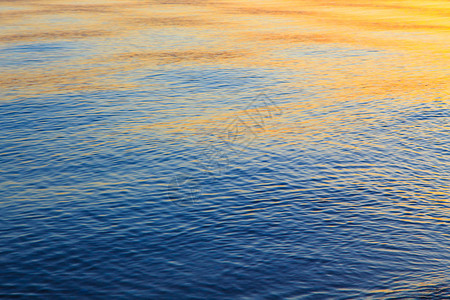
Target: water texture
point(224, 149)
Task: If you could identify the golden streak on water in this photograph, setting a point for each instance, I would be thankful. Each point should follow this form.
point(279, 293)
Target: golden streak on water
point(235, 34)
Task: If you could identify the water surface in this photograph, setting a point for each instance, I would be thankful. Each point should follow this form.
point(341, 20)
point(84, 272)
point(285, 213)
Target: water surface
point(224, 149)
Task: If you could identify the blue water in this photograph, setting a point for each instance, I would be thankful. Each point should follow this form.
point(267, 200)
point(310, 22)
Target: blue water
point(201, 179)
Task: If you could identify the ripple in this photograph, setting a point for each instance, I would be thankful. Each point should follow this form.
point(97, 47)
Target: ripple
point(207, 150)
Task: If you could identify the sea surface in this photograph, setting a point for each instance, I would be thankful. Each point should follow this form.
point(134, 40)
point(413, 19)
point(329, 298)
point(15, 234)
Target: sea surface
point(224, 149)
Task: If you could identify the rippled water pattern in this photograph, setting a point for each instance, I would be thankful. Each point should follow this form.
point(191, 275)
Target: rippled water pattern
point(224, 149)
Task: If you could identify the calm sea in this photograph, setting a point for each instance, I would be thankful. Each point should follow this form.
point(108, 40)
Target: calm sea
point(228, 149)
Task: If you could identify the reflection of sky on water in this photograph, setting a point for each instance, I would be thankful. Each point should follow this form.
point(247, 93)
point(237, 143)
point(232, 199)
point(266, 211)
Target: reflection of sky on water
point(106, 107)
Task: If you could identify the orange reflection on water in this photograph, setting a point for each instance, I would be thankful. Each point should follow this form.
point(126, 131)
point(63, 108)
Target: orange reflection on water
point(130, 35)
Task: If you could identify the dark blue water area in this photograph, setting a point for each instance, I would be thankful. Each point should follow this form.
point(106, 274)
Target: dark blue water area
point(346, 200)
